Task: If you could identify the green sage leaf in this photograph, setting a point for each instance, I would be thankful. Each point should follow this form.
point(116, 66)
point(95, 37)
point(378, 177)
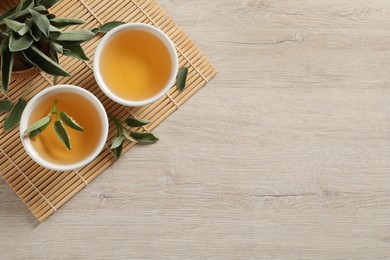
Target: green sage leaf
point(105, 28)
point(41, 21)
point(117, 152)
point(64, 22)
point(48, 3)
point(40, 8)
point(75, 51)
point(14, 25)
point(50, 16)
point(4, 45)
point(182, 78)
point(35, 33)
point(118, 125)
point(69, 121)
point(20, 43)
point(134, 122)
point(128, 137)
point(62, 134)
point(54, 29)
point(14, 116)
point(7, 62)
point(23, 9)
point(117, 142)
point(74, 36)
point(5, 106)
point(36, 132)
point(144, 137)
point(57, 47)
point(26, 27)
point(39, 59)
point(40, 123)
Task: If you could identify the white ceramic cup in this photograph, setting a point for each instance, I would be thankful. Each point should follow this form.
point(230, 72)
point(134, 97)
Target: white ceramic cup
point(143, 27)
point(24, 124)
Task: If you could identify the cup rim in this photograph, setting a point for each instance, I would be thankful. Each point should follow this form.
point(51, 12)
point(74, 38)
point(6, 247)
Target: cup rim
point(144, 27)
point(27, 113)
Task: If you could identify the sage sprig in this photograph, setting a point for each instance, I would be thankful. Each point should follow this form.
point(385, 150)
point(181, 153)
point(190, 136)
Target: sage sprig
point(125, 132)
point(61, 119)
point(33, 36)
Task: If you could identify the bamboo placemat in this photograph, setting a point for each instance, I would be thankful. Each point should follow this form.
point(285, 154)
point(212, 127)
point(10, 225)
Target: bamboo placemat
point(44, 191)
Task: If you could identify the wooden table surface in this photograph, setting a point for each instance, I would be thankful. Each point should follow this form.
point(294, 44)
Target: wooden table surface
point(284, 155)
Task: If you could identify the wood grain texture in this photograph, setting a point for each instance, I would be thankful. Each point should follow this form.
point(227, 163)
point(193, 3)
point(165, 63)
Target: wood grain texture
point(285, 155)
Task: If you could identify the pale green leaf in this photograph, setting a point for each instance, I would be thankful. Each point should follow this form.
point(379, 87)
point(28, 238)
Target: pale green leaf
point(7, 62)
point(14, 25)
point(14, 116)
point(117, 142)
point(26, 27)
point(62, 134)
point(41, 21)
point(39, 59)
point(74, 36)
point(69, 121)
point(75, 51)
point(144, 137)
point(39, 130)
point(182, 78)
point(64, 22)
point(20, 43)
point(40, 123)
point(105, 28)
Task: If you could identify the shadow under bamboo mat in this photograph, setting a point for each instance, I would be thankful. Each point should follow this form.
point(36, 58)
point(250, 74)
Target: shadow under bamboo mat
point(44, 191)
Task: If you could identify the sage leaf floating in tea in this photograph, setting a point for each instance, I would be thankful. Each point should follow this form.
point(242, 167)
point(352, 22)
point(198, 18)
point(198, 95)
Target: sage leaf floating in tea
point(61, 118)
point(69, 121)
point(40, 123)
point(14, 116)
point(62, 134)
point(39, 130)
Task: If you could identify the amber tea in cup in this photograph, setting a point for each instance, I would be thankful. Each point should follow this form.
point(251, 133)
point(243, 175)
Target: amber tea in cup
point(135, 64)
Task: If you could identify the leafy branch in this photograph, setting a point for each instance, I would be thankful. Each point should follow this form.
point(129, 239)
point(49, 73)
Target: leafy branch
point(61, 119)
point(124, 132)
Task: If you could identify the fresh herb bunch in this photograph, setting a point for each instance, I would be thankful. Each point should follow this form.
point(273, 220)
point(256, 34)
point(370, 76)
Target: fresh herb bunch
point(124, 132)
point(61, 119)
point(30, 35)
